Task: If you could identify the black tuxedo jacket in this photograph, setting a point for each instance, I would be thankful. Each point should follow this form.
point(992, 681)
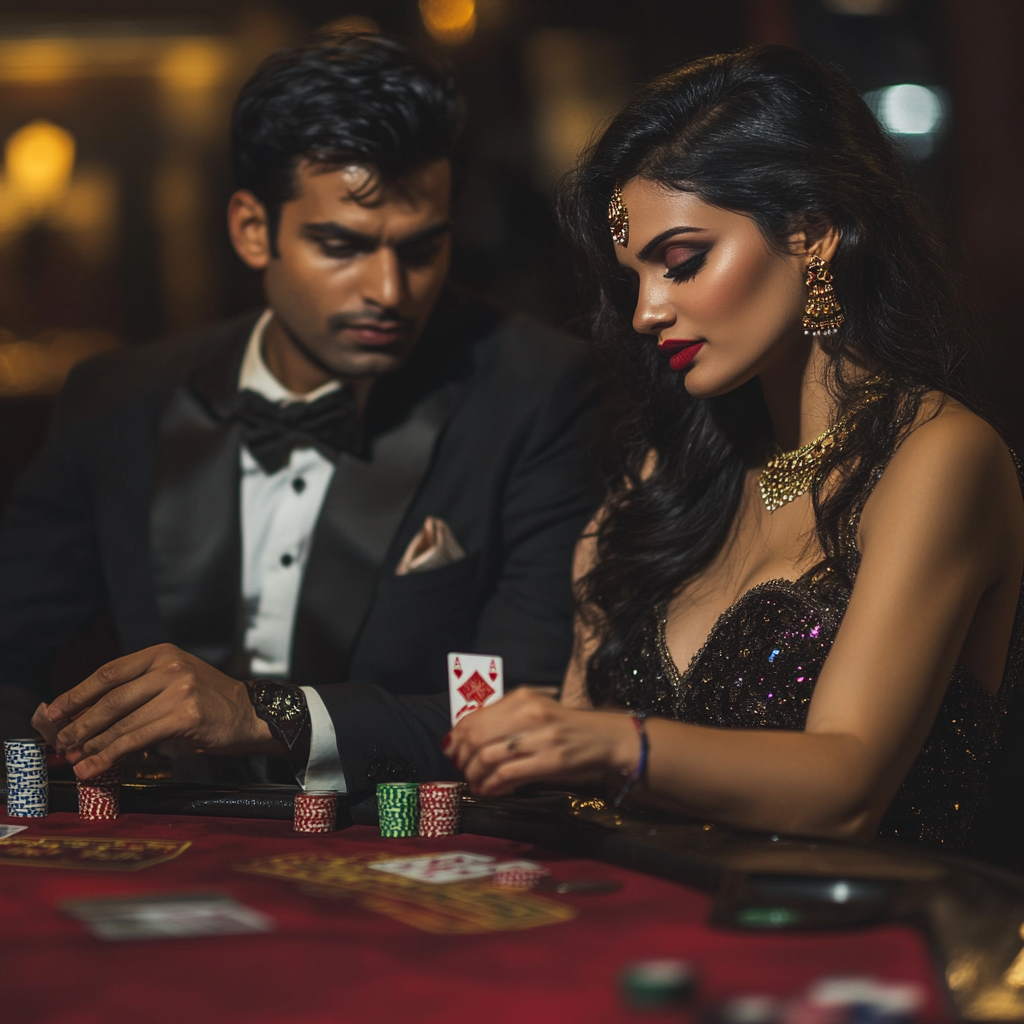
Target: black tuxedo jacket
point(132, 512)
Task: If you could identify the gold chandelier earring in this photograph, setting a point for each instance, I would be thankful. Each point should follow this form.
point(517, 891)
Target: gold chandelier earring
point(823, 314)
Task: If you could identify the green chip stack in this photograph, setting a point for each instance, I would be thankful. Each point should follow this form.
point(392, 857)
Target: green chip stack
point(398, 809)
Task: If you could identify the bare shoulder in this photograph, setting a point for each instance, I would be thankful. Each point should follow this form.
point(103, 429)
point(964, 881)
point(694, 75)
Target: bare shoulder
point(952, 474)
point(949, 437)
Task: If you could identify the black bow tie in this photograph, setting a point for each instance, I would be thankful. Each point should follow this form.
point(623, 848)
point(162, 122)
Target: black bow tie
point(271, 431)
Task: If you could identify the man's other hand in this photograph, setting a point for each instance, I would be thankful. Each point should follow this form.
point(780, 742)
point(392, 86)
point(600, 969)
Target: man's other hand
point(143, 699)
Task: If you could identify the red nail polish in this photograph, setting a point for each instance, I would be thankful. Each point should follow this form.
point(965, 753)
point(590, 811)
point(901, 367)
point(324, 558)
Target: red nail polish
point(447, 741)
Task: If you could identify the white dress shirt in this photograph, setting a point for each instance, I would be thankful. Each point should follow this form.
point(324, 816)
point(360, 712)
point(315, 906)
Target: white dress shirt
point(279, 514)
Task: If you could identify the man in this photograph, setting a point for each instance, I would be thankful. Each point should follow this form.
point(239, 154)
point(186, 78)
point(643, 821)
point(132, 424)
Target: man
point(332, 494)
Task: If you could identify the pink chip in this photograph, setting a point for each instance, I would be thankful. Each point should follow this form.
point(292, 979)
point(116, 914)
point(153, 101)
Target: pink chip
point(519, 874)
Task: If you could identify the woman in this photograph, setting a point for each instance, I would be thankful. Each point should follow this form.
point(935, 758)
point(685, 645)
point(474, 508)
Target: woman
point(804, 585)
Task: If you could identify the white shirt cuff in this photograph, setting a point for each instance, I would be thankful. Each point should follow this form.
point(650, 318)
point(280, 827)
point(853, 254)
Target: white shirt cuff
point(323, 769)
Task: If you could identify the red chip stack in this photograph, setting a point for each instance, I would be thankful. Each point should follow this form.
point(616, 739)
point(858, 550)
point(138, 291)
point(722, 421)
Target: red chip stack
point(99, 798)
point(316, 810)
point(518, 874)
point(440, 808)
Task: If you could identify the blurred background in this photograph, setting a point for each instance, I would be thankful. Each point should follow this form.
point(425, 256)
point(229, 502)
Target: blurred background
point(114, 177)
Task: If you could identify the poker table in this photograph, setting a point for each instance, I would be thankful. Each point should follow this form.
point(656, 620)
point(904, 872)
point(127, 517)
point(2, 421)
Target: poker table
point(752, 914)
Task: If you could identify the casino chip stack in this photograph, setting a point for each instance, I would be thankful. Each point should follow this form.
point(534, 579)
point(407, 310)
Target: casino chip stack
point(28, 790)
point(316, 810)
point(440, 808)
point(653, 984)
point(398, 809)
point(518, 874)
point(99, 798)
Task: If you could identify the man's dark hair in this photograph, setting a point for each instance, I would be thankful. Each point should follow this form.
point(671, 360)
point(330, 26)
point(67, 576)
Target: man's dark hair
point(336, 100)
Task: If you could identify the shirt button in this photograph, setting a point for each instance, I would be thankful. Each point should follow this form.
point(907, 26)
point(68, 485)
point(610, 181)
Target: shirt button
point(286, 560)
point(298, 485)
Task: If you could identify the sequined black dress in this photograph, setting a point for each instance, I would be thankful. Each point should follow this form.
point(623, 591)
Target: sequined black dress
point(758, 668)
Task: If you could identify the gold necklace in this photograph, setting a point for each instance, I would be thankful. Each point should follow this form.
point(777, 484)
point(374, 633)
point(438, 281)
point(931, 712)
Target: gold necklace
point(787, 475)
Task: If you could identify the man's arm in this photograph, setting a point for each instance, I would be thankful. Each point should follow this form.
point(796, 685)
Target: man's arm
point(386, 738)
point(51, 584)
point(164, 693)
point(551, 494)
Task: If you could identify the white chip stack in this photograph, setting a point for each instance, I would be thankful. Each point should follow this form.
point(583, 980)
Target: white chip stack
point(28, 789)
point(440, 808)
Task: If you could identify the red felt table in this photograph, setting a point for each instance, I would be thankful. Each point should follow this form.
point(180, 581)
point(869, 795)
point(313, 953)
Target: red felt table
point(331, 960)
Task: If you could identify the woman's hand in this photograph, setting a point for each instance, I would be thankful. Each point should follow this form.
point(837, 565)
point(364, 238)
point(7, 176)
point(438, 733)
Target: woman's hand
point(528, 737)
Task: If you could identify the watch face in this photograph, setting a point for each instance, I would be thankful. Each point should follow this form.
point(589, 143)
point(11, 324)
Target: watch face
point(282, 707)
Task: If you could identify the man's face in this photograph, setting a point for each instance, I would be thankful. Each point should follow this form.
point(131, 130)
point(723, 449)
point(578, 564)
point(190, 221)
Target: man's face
point(355, 279)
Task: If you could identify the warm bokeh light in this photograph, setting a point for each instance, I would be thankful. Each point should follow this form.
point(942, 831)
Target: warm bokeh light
point(451, 22)
point(198, 64)
point(38, 162)
point(578, 80)
point(39, 365)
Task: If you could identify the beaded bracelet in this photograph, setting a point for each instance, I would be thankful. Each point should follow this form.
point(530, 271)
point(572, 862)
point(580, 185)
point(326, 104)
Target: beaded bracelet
point(630, 779)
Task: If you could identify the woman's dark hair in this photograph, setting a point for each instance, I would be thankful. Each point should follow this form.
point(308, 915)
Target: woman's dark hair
point(772, 133)
point(341, 99)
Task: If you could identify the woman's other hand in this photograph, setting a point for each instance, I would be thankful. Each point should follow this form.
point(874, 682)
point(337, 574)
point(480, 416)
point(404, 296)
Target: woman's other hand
point(529, 737)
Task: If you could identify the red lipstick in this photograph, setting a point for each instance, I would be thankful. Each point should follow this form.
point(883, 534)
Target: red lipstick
point(680, 351)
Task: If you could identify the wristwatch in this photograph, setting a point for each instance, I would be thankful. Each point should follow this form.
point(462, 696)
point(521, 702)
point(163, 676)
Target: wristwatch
point(283, 707)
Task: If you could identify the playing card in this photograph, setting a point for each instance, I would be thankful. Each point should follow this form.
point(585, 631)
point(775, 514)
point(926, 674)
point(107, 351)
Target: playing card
point(439, 869)
point(167, 916)
point(10, 830)
point(474, 681)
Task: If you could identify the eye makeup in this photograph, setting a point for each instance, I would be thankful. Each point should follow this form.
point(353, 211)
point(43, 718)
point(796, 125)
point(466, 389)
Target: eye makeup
point(686, 269)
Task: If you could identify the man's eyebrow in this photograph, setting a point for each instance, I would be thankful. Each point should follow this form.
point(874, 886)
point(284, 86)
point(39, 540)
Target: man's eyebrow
point(334, 231)
point(338, 232)
point(426, 235)
point(658, 239)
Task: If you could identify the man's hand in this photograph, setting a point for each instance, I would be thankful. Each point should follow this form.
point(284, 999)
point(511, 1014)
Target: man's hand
point(143, 699)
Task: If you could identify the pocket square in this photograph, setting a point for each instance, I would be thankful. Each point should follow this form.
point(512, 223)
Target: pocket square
point(433, 547)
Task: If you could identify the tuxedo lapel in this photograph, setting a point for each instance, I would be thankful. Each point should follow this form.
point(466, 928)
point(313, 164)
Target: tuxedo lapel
point(195, 534)
point(362, 513)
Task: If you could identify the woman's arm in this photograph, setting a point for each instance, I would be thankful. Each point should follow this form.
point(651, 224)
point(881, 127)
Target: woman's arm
point(942, 533)
point(585, 639)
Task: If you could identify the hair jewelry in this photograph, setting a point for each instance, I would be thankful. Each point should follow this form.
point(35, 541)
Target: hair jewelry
point(618, 217)
point(823, 314)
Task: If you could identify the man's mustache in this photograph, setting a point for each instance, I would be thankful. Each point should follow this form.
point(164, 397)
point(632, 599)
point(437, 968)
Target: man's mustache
point(371, 318)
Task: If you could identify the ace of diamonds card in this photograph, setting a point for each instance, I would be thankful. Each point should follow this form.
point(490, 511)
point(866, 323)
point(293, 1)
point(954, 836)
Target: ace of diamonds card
point(474, 681)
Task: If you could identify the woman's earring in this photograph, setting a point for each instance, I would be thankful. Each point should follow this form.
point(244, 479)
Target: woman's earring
point(823, 314)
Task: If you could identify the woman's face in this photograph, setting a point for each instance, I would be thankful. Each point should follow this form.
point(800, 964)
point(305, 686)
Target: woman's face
point(721, 304)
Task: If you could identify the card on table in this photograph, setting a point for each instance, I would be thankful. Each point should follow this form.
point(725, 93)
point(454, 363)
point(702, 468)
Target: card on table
point(439, 869)
point(88, 854)
point(474, 681)
point(167, 916)
point(9, 830)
